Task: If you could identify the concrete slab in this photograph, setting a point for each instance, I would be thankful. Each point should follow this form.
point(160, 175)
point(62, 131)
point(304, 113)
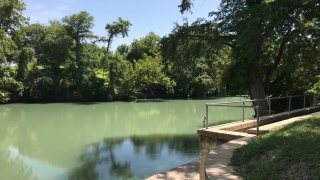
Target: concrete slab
point(218, 161)
point(188, 171)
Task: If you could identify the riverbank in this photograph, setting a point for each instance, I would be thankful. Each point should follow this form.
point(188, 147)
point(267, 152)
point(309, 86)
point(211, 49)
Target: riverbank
point(132, 99)
point(291, 152)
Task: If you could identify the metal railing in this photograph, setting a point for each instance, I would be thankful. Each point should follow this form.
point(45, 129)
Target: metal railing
point(255, 107)
point(269, 100)
point(231, 104)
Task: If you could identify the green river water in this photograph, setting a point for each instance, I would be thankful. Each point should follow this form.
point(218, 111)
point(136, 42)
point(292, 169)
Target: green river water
point(117, 140)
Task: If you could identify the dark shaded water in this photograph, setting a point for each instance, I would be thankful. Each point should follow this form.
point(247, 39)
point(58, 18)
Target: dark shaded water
point(102, 140)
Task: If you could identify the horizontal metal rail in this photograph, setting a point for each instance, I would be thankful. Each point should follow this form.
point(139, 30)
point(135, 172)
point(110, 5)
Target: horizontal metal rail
point(269, 99)
point(231, 105)
point(243, 106)
point(230, 102)
point(280, 97)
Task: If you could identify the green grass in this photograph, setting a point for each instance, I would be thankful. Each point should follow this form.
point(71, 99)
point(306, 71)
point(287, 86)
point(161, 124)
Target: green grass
point(292, 152)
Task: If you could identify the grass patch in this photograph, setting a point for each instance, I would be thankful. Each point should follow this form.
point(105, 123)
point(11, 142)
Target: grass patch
point(292, 152)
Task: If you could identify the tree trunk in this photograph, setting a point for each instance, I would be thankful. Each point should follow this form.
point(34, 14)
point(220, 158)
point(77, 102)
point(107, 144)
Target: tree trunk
point(78, 71)
point(111, 78)
point(111, 75)
point(257, 90)
point(78, 52)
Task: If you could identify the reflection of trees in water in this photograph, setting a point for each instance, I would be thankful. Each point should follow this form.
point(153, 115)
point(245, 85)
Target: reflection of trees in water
point(184, 145)
point(13, 167)
point(99, 154)
point(102, 154)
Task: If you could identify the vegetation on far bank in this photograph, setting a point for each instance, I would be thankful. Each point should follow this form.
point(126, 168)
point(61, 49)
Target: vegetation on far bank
point(291, 152)
point(247, 47)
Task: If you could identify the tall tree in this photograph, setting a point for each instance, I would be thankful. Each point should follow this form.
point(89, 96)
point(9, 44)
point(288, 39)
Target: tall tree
point(11, 18)
point(193, 61)
point(120, 27)
point(11, 15)
point(79, 27)
point(116, 28)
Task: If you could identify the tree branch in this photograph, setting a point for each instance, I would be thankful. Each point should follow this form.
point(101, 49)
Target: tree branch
point(278, 57)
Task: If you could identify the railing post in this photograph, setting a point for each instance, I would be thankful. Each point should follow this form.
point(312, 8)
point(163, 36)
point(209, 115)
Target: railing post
point(289, 103)
point(258, 121)
point(304, 101)
point(269, 102)
point(206, 116)
point(243, 111)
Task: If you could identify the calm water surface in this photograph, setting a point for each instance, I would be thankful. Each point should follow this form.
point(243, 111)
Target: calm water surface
point(117, 140)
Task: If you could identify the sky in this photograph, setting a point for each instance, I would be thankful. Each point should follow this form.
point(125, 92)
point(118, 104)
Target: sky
point(145, 16)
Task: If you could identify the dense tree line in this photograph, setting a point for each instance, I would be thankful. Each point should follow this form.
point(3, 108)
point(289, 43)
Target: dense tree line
point(61, 61)
point(250, 47)
point(274, 44)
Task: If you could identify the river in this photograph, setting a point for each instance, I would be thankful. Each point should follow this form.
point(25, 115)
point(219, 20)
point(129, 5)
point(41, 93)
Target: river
point(115, 140)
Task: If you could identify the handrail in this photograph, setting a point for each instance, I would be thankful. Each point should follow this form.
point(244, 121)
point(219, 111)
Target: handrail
point(230, 102)
point(230, 105)
point(280, 97)
point(268, 99)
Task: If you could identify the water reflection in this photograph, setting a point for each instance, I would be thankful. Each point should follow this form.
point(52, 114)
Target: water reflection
point(14, 168)
point(135, 157)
